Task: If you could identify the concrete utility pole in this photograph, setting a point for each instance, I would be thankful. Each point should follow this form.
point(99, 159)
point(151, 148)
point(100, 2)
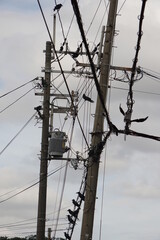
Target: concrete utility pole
point(44, 148)
point(92, 178)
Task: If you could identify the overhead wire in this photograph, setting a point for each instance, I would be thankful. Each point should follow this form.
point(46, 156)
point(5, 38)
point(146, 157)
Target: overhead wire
point(150, 70)
point(34, 184)
point(121, 6)
point(2, 151)
point(151, 75)
point(138, 91)
point(100, 25)
point(31, 219)
point(17, 100)
point(93, 17)
point(15, 89)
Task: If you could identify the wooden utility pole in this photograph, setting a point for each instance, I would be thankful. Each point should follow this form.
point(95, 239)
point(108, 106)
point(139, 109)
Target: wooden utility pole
point(92, 178)
point(44, 148)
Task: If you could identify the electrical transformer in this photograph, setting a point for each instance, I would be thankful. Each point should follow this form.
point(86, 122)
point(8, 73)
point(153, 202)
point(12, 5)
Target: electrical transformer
point(57, 144)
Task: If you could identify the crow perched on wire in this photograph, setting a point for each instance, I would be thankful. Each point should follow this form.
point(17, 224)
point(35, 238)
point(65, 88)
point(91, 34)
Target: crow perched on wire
point(70, 219)
point(121, 110)
point(75, 54)
point(75, 203)
point(57, 7)
point(67, 236)
point(73, 213)
point(86, 98)
point(81, 196)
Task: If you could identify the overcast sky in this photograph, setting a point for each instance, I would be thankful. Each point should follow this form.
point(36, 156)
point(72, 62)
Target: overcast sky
point(131, 201)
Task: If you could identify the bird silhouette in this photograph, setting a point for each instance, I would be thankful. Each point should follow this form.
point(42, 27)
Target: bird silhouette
point(73, 213)
point(113, 128)
point(70, 219)
point(86, 98)
point(140, 119)
point(67, 236)
point(121, 110)
point(75, 203)
point(57, 7)
point(81, 196)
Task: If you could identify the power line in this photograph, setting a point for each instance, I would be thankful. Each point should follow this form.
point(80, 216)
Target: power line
point(122, 6)
point(139, 91)
point(106, 7)
point(34, 184)
point(151, 75)
point(93, 17)
point(17, 134)
point(17, 100)
point(18, 87)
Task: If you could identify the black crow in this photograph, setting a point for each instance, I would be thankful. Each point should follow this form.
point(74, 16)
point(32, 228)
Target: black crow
point(67, 236)
point(57, 7)
point(73, 213)
point(121, 110)
point(81, 196)
point(70, 219)
point(114, 129)
point(75, 54)
point(87, 98)
point(75, 203)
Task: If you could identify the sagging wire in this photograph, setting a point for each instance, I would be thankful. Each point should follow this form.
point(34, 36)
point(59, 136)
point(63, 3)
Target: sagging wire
point(94, 17)
point(121, 6)
point(150, 75)
point(34, 184)
point(17, 100)
point(132, 79)
point(17, 134)
point(138, 91)
point(18, 87)
point(106, 8)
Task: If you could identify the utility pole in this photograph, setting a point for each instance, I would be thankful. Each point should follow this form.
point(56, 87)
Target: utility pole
point(92, 178)
point(44, 148)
